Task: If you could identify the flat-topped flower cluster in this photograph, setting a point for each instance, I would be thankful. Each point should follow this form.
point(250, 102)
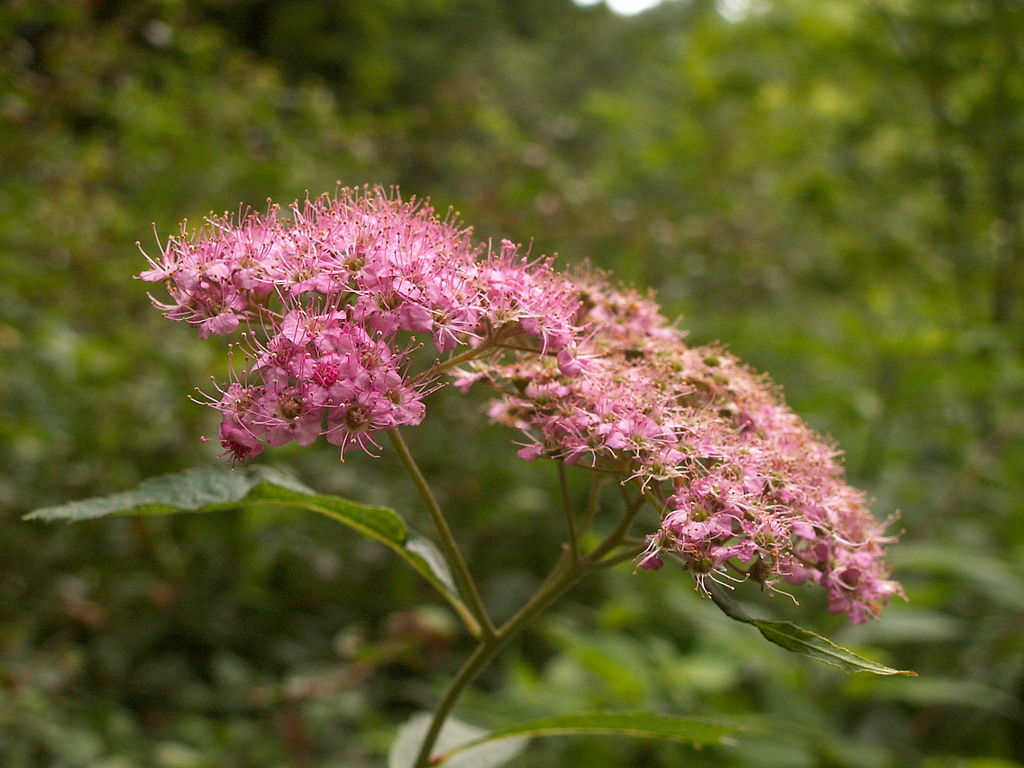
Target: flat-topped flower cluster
point(329, 300)
point(744, 488)
point(332, 300)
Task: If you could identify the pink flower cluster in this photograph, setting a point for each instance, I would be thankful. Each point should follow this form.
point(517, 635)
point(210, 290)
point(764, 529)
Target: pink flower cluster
point(332, 300)
point(744, 488)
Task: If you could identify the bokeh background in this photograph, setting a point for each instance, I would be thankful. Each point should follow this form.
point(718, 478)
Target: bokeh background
point(834, 189)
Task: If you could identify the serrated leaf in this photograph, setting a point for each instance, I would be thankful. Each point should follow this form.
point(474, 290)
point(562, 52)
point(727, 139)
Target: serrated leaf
point(788, 635)
point(213, 490)
point(644, 725)
point(455, 737)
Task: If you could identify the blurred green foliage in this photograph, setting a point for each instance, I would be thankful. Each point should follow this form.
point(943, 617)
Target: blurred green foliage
point(834, 189)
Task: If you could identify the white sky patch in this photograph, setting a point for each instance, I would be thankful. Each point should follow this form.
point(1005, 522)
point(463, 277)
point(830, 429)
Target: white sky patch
point(737, 10)
point(731, 10)
point(624, 7)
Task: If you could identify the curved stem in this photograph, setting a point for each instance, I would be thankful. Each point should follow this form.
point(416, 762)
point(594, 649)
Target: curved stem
point(451, 549)
point(557, 583)
point(490, 342)
point(466, 356)
point(622, 557)
point(489, 648)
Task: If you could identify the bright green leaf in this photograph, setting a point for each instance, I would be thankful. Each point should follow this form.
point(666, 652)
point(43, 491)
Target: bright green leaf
point(799, 640)
point(211, 490)
point(194, 490)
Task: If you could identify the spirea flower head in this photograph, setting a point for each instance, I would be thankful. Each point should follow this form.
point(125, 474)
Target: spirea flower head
point(743, 487)
point(330, 300)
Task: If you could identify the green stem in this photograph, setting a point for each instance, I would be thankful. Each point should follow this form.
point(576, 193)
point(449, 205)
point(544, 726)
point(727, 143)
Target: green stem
point(563, 484)
point(616, 537)
point(597, 481)
point(556, 584)
point(655, 502)
point(455, 560)
point(469, 354)
point(621, 557)
point(488, 649)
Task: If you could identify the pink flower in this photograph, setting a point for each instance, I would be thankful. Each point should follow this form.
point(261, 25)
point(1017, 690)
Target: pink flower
point(745, 488)
point(333, 298)
point(238, 442)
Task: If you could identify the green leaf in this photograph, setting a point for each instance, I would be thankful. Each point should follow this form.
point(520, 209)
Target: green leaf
point(195, 490)
point(645, 725)
point(470, 743)
point(218, 490)
point(799, 640)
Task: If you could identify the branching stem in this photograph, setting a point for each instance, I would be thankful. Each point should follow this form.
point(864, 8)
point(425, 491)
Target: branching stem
point(559, 580)
point(485, 628)
point(470, 354)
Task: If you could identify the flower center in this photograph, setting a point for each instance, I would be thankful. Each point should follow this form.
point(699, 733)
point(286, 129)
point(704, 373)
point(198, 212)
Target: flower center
point(356, 417)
